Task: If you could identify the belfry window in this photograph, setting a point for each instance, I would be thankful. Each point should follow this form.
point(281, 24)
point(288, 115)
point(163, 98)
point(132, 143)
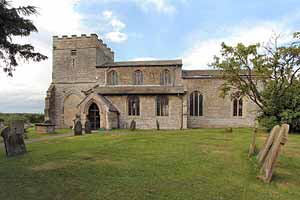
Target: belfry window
point(165, 77)
point(162, 106)
point(112, 78)
point(138, 78)
point(196, 104)
point(133, 106)
point(238, 107)
point(73, 52)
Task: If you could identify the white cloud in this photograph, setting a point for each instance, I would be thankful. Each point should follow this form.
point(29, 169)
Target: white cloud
point(116, 37)
point(163, 6)
point(113, 27)
point(202, 52)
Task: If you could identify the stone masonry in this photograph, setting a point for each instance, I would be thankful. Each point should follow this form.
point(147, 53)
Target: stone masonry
point(82, 68)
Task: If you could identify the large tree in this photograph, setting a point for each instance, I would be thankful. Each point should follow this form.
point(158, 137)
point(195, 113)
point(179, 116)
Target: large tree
point(13, 23)
point(267, 75)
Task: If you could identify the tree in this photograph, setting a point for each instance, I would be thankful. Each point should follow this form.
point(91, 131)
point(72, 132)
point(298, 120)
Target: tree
point(13, 24)
point(269, 75)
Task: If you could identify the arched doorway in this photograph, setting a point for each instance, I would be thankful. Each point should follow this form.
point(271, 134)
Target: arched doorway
point(94, 116)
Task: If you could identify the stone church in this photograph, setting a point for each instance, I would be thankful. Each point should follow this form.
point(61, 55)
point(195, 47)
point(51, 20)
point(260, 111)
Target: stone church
point(86, 81)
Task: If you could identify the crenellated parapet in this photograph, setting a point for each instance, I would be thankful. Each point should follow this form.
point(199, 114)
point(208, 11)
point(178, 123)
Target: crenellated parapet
point(82, 41)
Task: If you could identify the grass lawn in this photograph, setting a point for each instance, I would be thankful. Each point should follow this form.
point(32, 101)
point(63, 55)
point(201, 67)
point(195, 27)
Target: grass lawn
point(32, 134)
point(204, 164)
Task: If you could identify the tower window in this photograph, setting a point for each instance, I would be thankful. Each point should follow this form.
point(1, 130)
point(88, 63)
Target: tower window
point(73, 52)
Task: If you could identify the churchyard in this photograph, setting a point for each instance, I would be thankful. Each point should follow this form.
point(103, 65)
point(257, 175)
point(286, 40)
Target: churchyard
point(124, 164)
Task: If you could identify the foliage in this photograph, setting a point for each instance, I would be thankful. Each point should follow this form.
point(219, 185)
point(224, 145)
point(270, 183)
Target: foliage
point(12, 25)
point(268, 76)
point(153, 165)
point(26, 117)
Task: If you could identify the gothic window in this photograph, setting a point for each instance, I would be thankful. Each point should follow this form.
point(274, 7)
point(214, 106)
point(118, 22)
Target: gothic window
point(112, 78)
point(238, 107)
point(165, 77)
point(162, 106)
point(133, 106)
point(196, 104)
point(138, 78)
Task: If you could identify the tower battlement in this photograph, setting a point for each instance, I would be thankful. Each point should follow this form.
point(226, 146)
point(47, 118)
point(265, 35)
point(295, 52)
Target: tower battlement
point(80, 41)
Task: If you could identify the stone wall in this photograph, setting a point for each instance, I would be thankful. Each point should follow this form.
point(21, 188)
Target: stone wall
point(217, 112)
point(147, 118)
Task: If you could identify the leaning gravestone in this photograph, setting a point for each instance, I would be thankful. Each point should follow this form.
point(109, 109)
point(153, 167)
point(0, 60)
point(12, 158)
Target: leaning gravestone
point(77, 126)
point(268, 144)
point(13, 137)
point(273, 154)
point(87, 127)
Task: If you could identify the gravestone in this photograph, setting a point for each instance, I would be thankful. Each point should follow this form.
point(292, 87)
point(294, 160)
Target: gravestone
point(273, 154)
point(87, 127)
point(13, 137)
point(77, 126)
point(157, 125)
point(268, 144)
point(1, 123)
point(132, 125)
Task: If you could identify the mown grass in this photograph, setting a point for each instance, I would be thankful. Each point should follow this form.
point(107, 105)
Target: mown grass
point(191, 164)
point(32, 134)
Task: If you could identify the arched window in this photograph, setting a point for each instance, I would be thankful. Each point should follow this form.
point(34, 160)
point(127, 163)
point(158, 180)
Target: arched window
point(162, 106)
point(133, 106)
point(138, 78)
point(112, 78)
point(196, 104)
point(238, 107)
point(165, 77)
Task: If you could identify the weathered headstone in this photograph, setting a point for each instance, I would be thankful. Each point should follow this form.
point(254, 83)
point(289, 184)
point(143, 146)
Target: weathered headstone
point(1, 123)
point(77, 126)
point(87, 127)
point(132, 125)
point(253, 143)
point(157, 125)
point(13, 137)
point(268, 144)
point(272, 156)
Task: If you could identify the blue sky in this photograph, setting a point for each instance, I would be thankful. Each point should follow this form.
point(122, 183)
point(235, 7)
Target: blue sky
point(191, 30)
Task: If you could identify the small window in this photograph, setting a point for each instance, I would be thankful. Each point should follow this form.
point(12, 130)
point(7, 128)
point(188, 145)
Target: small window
point(113, 78)
point(238, 107)
point(133, 106)
point(162, 106)
point(73, 52)
point(138, 78)
point(196, 104)
point(165, 77)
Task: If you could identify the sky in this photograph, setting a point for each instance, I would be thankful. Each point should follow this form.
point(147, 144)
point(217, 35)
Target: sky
point(191, 30)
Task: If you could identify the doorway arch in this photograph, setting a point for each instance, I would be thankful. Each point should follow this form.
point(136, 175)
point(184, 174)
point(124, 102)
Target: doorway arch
point(94, 116)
